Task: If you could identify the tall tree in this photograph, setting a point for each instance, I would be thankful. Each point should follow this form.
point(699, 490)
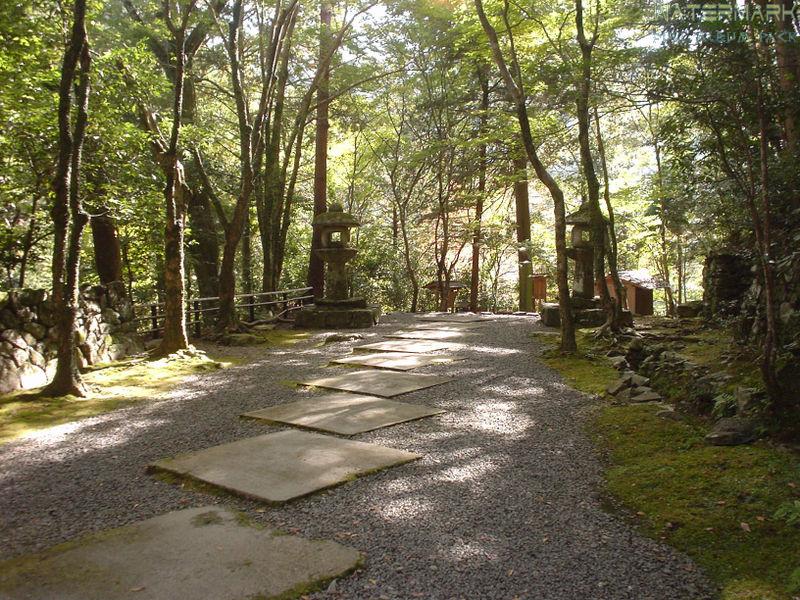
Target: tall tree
point(69, 218)
point(483, 117)
point(523, 219)
point(316, 268)
point(516, 92)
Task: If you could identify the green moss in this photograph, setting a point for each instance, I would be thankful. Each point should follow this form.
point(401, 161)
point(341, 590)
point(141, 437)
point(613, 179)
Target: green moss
point(714, 503)
point(110, 386)
point(586, 370)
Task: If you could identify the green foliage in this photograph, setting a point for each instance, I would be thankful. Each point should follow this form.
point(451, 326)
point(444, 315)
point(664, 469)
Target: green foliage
point(789, 512)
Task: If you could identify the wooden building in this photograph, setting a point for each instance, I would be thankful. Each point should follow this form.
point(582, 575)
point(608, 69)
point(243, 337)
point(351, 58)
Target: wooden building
point(639, 286)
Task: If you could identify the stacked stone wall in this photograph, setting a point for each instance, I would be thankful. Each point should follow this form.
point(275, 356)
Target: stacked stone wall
point(29, 336)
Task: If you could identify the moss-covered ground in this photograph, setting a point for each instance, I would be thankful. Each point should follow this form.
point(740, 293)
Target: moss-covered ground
point(717, 504)
point(122, 383)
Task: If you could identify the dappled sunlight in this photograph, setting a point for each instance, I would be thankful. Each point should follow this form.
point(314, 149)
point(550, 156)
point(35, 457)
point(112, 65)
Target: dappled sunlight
point(498, 418)
point(405, 508)
point(469, 471)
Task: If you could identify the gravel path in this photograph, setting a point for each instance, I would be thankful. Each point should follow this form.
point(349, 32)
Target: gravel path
point(504, 503)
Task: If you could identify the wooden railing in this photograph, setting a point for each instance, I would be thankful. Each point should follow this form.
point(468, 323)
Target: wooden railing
point(150, 317)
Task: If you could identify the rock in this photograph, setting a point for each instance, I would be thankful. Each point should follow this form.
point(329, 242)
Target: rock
point(623, 395)
point(36, 330)
point(732, 431)
point(31, 376)
point(343, 337)
point(9, 319)
point(242, 339)
point(19, 356)
point(29, 297)
point(110, 316)
point(619, 362)
point(748, 400)
point(689, 310)
point(36, 359)
point(669, 414)
point(646, 396)
point(640, 389)
point(615, 388)
point(639, 380)
point(550, 315)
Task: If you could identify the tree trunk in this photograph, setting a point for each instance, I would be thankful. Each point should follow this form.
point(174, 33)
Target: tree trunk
point(67, 205)
point(612, 250)
point(476, 232)
point(175, 337)
point(107, 251)
point(204, 249)
point(598, 225)
point(316, 268)
point(523, 213)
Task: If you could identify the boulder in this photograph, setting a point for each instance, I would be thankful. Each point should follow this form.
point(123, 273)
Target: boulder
point(646, 396)
point(36, 330)
point(732, 431)
point(615, 388)
point(31, 376)
point(343, 337)
point(619, 362)
point(689, 310)
point(551, 317)
point(29, 297)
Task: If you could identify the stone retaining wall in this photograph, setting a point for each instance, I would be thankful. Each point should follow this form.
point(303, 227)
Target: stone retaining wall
point(29, 338)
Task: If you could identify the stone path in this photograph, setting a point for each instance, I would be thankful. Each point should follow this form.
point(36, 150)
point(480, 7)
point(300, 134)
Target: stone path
point(376, 381)
point(205, 552)
point(394, 361)
point(503, 502)
point(283, 466)
point(344, 414)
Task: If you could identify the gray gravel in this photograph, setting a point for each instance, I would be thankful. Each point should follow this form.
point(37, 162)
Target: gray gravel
point(504, 503)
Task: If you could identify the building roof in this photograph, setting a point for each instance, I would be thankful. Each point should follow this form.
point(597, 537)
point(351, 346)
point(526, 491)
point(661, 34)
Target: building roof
point(641, 278)
point(454, 285)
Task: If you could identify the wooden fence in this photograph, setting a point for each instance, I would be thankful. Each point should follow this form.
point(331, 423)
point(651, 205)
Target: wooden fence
point(150, 317)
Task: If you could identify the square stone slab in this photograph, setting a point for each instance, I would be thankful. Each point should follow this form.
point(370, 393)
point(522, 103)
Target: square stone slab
point(204, 553)
point(378, 383)
point(428, 334)
point(411, 346)
point(455, 318)
point(346, 414)
point(394, 361)
point(279, 467)
point(446, 326)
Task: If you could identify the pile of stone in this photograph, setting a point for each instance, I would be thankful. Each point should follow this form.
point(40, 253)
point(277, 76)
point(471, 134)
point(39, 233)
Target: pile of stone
point(29, 336)
point(631, 387)
point(648, 365)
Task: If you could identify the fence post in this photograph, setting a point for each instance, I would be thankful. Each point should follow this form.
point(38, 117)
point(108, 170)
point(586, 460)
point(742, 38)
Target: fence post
point(252, 309)
point(197, 328)
point(154, 320)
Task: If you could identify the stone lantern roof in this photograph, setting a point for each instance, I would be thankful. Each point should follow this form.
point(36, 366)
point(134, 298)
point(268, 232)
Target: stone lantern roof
point(582, 216)
point(335, 217)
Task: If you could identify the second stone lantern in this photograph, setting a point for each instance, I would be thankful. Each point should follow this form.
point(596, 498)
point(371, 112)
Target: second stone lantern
point(336, 309)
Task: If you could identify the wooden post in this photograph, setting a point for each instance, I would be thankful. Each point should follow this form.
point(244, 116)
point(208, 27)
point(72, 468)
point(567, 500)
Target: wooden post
point(154, 320)
point(252, 309)
point(197, 328)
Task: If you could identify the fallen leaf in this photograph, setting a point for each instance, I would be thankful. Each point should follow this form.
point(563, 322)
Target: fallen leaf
point(137, 589)
point(744, 526)
point(761, 518)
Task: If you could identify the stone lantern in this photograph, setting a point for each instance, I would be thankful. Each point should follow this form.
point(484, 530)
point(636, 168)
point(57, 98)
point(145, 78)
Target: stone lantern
point(582, 252)
point(336, 309)
point(335, 250)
